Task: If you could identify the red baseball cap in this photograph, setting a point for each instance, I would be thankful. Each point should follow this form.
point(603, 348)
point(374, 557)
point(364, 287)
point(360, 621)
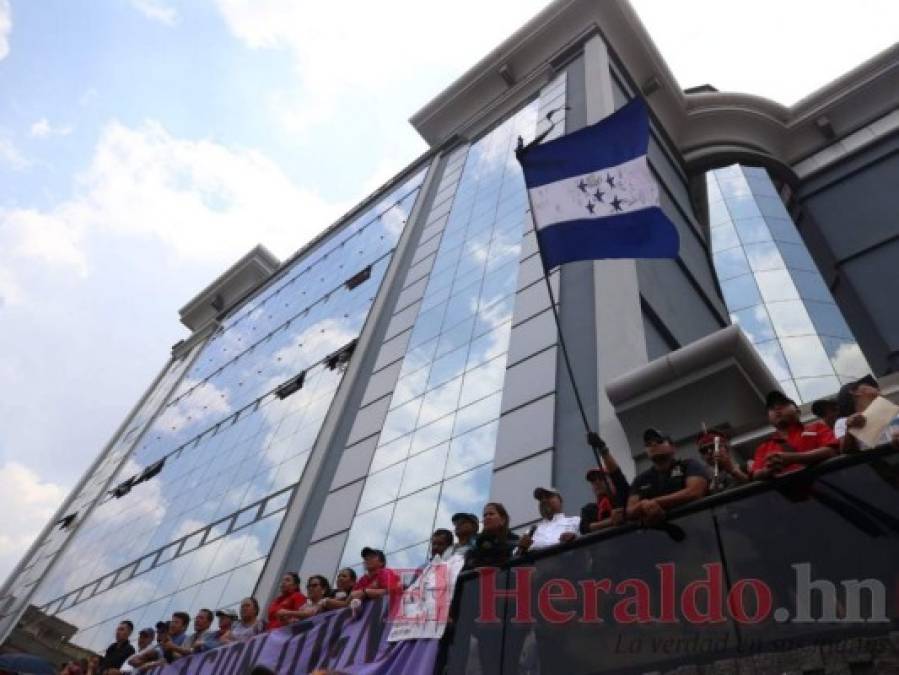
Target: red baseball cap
point(708, 437)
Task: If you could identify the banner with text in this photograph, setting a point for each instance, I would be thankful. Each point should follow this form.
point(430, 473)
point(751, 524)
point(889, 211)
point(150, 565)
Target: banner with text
point(335, 641)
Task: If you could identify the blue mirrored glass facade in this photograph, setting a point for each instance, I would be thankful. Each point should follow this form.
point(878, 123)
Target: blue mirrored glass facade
point(773, 288)
point(48, 547)
point(435, 451)
point(199, 532)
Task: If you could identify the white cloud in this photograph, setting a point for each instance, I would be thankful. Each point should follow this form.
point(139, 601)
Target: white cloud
point(43, 129)
point(55, 238)
point(5, 27)
point(723, 48)
point(204, 201)
point(10, 290)
point(340, 50)
point(157, 10)
point(10, 155)
point(29, 504)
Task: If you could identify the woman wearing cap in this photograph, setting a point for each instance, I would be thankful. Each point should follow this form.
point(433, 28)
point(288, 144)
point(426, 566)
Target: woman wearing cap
point(610, 488)
point(853, 399)
point(290, 599)
point(378, 580)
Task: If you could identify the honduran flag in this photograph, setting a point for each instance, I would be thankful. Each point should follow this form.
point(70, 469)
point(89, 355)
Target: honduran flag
point(593, 196)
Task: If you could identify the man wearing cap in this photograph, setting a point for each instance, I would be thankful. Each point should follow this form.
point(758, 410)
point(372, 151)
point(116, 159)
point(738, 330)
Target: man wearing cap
point(714, 447)
point(853, 399)
point(146, 652)
point(466, 527)
point(668, 483)
point(554, 528)
point(608, 508)
point(214, 639)
point(378, 580)
point(793, 444)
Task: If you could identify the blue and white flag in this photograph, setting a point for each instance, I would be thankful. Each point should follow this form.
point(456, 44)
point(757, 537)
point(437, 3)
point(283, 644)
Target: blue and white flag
point(593, 196)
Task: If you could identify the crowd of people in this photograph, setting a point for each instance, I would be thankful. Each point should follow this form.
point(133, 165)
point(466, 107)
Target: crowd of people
point(669, 482)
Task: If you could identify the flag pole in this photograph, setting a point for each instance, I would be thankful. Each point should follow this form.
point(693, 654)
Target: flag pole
point(593, 439)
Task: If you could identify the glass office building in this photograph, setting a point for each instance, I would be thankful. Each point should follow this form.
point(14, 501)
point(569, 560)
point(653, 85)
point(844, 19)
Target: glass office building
point(232, 446)
point(405, 364)
point(434, 454)
point(207, 467)
point(773, 288)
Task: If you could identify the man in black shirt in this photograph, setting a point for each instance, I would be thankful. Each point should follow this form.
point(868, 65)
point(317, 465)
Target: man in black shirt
point(120, 650)
point(668, 483)
point(608, 508)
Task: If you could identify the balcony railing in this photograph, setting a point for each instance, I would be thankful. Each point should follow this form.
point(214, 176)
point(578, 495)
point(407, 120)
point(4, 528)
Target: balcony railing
point(768, 568)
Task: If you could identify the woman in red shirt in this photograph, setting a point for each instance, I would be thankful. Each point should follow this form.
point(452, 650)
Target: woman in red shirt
point(290, 600)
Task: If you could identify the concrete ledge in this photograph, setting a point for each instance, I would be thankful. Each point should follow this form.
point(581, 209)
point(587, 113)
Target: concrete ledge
point(719, 379)
point(229, 288)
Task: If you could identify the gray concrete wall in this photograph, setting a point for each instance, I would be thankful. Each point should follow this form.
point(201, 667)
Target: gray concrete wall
point(682, 296)
point(849, 219)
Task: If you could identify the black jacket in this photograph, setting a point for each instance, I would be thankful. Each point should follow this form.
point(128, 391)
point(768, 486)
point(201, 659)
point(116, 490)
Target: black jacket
point(490, 550)
point(116, 655)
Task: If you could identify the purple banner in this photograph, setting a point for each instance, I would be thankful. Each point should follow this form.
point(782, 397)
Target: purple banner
point(331, 642)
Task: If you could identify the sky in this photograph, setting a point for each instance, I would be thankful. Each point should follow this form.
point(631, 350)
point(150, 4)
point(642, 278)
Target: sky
point(147, 144)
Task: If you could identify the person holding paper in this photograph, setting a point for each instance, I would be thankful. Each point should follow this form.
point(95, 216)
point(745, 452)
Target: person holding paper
point(867, 419)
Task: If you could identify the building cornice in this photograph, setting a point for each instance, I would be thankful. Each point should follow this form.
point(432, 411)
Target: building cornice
point(707, 127)
point(255, 266)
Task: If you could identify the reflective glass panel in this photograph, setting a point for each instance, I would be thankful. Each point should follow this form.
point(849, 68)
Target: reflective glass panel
point(741, 292)
point(764, 256)
point(731, 263)
point(443, 416)
point(230, 445)
point(776, 285)
point(790, 318)
point(768, 278)
point(806, 356)
point(755, 323)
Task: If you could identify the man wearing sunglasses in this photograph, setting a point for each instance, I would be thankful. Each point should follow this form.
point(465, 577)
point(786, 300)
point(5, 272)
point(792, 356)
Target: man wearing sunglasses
point(668, 483)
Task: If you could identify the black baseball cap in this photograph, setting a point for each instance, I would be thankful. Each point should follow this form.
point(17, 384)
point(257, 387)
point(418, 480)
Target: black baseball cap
point(652, 435)
point(776, 398)
point(230, 613)
point(470, 517)
point(367, 551)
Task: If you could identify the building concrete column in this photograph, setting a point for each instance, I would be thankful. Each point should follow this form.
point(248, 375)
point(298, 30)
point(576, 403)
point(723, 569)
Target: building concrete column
point(620, 340)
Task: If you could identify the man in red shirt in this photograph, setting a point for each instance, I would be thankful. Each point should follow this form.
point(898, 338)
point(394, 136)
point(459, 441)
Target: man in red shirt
point(378, 579)
point(793, 445)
